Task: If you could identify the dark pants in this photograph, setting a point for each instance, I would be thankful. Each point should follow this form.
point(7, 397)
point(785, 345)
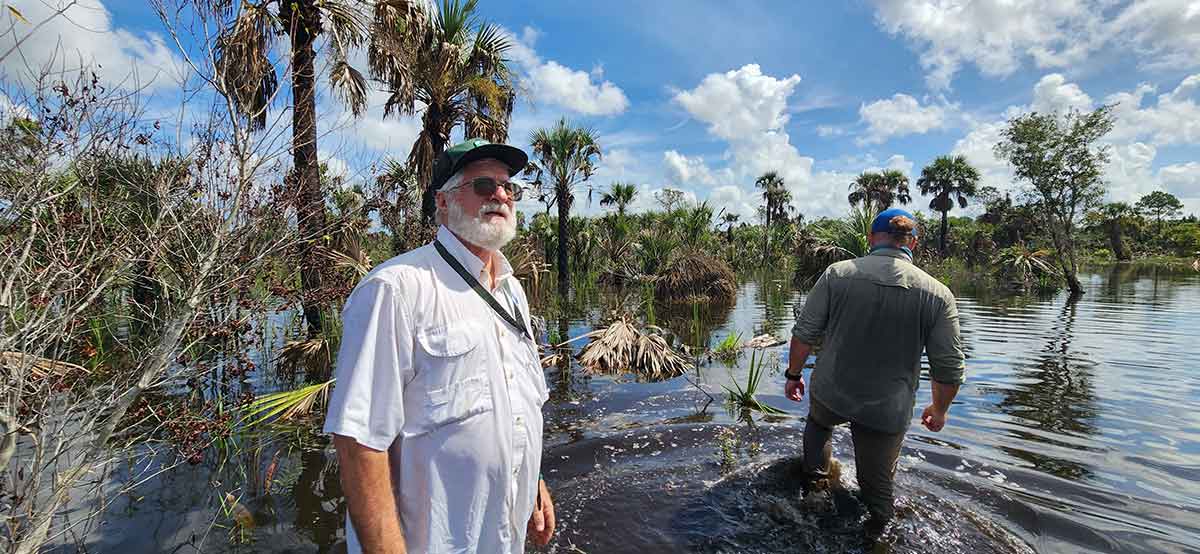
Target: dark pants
point(875, 456)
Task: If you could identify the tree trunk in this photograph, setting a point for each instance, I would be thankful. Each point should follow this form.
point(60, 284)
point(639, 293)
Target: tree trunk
point(304, 25)
point(767, 235)
point(1116, 238)
point(564, 215)
point(942, 244)
point(438, 133)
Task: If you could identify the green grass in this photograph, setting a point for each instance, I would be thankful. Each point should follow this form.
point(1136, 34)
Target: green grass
point(742, 398)
point(728, 350)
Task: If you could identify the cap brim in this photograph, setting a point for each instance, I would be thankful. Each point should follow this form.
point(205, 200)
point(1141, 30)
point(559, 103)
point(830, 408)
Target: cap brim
point(513, 157)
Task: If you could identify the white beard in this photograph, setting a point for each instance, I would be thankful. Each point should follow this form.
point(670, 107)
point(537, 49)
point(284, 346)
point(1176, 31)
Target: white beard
point(484, 234)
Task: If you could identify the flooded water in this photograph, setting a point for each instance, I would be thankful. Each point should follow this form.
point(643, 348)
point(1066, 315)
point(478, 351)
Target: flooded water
point(1075, 432)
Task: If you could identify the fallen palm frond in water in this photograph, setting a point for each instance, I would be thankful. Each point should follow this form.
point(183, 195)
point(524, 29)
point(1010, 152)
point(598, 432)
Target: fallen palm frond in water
point(766, 340)
point(694, 277)
point(312, 355)
point(287, 405)
point(743, 400)
point(39, 367)
point(622, 347)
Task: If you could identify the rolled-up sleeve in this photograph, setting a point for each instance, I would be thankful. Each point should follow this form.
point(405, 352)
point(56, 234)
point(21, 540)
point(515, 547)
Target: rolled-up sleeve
point(944, 347)
point(811, 319)
point(367, 403)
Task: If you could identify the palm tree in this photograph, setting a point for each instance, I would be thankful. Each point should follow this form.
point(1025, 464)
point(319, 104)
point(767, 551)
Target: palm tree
point(245, 73)
point(948, 178)
point(777, 199)
point(729, 218)
point(880, 190)
point(448, 64)
point(566, 155)
point(620, 195)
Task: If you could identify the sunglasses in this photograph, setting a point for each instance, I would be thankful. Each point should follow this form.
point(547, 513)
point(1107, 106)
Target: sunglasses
point(486, 186)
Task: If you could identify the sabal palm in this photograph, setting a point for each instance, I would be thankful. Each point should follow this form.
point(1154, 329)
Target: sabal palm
point(446, 63)
point(948, 178)
point(729, 219)
point(777, 203)
point(246, 75)
point(695, 225)
point(880, 190)
point(619, 195)
point(564, 155)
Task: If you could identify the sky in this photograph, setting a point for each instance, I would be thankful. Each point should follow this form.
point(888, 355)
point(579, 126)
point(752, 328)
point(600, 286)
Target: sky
point(706, 96)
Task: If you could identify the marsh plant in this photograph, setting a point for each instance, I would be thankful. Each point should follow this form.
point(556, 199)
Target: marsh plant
point(729, 349)
point(743, 397)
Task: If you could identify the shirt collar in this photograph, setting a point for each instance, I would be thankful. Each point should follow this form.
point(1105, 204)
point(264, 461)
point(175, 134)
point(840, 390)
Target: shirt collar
point(892, 252)
point(470, 261)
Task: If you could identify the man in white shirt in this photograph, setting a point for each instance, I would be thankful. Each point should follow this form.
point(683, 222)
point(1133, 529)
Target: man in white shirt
point(436, 412)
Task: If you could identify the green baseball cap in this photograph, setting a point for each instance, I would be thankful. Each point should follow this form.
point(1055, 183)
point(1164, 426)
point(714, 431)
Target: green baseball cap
point(458, 156)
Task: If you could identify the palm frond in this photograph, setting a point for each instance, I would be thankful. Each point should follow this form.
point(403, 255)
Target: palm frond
point(286, 405)
point(621, 347)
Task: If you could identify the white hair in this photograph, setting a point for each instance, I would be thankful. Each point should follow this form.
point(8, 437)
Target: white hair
point(455, 179)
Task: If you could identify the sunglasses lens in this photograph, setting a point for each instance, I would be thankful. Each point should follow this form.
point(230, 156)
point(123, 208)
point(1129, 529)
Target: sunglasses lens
point(486, 186)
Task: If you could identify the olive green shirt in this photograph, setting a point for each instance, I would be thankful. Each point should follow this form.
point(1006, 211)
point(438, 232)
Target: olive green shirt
point(876, 315)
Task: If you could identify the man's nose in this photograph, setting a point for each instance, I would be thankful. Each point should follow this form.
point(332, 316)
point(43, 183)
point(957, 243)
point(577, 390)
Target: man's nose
point(500, 194)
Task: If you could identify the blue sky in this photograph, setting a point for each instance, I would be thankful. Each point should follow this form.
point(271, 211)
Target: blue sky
point(705, 96)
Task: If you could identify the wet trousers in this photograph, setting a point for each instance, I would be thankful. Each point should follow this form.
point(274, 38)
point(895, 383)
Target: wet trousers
point(875, 456)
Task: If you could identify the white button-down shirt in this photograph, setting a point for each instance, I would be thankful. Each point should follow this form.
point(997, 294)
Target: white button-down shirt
point(430, 373)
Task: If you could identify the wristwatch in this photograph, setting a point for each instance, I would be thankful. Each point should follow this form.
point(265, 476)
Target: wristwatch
point(793, 376)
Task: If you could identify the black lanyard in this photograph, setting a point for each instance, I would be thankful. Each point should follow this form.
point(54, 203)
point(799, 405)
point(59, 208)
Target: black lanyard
point(518, 323)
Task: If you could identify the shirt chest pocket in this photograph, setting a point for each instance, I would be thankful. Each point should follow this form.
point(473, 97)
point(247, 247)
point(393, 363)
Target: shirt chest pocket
point(451, 369)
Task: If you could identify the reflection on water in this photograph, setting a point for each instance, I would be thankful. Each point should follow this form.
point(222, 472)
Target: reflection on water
point(1075, 432)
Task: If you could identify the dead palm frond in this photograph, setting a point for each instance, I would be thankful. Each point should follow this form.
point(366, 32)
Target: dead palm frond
point(696, 277)
point(312, 355)
point(621, 347)
point(39, 367)
point(287, 405)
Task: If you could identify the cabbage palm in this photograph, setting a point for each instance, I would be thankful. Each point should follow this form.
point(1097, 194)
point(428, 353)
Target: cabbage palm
point(880, 190)
point(620, 195)
point(777, 200)
point(729, 219)
point(565, 155)
point(247, 75)
point(447, 64)
point(948, 178)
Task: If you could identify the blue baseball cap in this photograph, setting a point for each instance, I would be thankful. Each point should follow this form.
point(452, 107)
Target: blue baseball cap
point(883, 221)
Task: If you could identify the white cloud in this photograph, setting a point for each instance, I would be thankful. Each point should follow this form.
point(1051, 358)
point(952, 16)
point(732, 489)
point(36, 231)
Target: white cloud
point(901, 115)
point(734, 200)
point(739, 103)
point(1054, 94)
point(85, 36)
point(1133, 144)
point(1174, 119)
point(684, 170)
point(998, 36)
point(749, 111)
point(1164, 33)
point(1182, 180)
point(553, 83)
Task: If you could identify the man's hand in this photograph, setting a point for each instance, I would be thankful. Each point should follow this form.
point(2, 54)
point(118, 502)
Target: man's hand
point(794, 389)
point(933, 418)
point(541, 524)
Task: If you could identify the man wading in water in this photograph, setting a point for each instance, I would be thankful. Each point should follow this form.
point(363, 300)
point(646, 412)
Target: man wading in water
point(876, 315)
point(436, 414)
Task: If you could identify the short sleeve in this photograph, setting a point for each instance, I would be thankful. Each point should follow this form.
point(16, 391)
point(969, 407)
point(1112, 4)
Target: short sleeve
point(811, 319)
point(367, 403)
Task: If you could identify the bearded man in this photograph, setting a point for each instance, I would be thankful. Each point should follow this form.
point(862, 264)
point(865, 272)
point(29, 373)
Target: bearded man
point(436, 412)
